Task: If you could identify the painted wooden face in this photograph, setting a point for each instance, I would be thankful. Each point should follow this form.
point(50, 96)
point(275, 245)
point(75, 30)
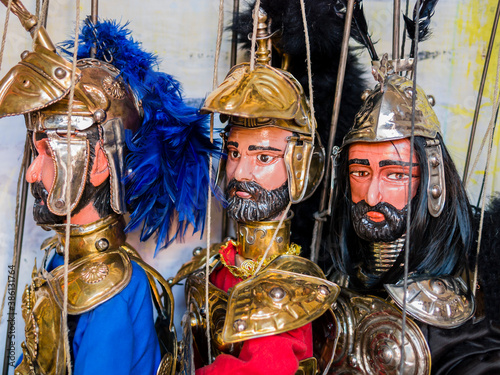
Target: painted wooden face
point(256, 173)
point(379, 172)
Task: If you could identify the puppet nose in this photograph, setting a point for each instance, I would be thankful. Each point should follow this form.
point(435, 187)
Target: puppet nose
point(34, 171)
point(244, 170)
point(373, 195)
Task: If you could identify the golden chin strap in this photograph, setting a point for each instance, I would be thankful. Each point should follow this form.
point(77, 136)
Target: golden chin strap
point(249, 266)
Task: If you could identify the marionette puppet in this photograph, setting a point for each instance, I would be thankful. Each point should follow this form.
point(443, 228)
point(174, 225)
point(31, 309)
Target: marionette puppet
point(264, 300)
point(130, 137)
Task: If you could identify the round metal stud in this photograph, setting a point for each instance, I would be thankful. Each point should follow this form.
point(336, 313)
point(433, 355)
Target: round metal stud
point(99, 116)
point(197, 251)
point(365, 94)
point(431, 100)
point(279, 239)
point(170, 280)
point(353, 361)
point(438, 286)
point(60, 203)
point(299, 157)
point(24, 54)
point(60, 73)
point(202, 312)
point(434, 160)
point(277, 294)
point(239, 325)
point(409, 92)
point(102, 244)
point(436, 191)
point(323, 290)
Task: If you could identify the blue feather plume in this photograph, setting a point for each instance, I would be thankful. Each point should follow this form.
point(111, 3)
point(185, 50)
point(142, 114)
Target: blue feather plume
point(169, 154)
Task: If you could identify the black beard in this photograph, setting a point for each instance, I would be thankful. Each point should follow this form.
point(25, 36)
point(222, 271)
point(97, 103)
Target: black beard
point(392, 228)
point(41, 212)
point(262, 205)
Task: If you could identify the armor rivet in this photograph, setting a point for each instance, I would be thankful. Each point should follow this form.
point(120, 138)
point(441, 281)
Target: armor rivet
point(60, 73)
point(170, 280)
point(436, 191)
point(279, 239)
point(299, 156)
point(409, 92)
point(365, 94)
point(323, 290)
point(438, 287)
point(197, 251)
point(277, 294)
point(102, 244)
point(431, 100)
point(239, 325)
point(99, 116)
point(59, 203)
point(24, 54)
point(387, 355)
point(202, 312)
point(353, 361)
point(434, 160)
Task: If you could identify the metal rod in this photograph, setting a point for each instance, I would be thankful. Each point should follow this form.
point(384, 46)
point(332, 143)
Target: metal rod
point(21, 216)
point(395, 29)
point(94, 11)
point(234, 35)
point(318, 225)
point(480, 95)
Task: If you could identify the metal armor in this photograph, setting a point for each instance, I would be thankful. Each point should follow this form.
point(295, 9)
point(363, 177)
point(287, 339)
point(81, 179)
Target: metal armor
point(100, 267)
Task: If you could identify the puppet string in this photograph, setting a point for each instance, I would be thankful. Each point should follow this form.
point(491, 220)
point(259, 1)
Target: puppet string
point(68, 190)
point(410, 175)
point(489, 133)
point(254, 34)
point(4, 35)
point(210, 165)
point(309, 69)
point(42, 16)
point(20, 181)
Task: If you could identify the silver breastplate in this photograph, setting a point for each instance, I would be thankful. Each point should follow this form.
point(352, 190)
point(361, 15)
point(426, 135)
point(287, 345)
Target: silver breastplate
point(443, 302)
point(370, 332)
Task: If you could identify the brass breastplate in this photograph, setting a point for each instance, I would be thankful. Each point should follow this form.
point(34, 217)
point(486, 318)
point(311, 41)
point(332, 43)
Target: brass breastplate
point(230, 324)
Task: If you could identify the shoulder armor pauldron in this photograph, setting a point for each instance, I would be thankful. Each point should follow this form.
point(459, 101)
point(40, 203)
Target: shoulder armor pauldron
point(369, 343)
point(444, 302)
point(197, 261)
point(92, 280)
point(289, 293)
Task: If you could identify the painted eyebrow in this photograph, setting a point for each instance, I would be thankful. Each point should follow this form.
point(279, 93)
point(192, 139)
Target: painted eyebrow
point(232, 143)
point(359, 161)
point(384, 163)
point(262, 148)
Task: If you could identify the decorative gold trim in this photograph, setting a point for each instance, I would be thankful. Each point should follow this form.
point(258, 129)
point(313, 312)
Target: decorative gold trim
point(249, 266)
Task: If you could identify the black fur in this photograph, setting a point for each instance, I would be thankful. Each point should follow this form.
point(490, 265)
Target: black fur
point(325, 25)
point(489, 259)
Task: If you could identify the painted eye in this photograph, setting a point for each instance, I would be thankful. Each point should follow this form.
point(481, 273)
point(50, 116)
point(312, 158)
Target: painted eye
point(234, 154)
point(398, 176)
point(359, 173)
point(265, 159)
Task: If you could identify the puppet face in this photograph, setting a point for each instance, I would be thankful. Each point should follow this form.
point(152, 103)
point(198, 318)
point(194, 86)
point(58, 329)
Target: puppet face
point(43, 172)
point(256, 173)
point(379, 181)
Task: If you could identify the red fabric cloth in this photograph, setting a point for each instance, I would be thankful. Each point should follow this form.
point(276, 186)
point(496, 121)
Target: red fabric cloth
point(278, 354)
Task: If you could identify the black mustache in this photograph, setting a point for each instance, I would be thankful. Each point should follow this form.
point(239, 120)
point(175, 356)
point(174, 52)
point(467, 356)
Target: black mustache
point(250, 187)
point(388, 210)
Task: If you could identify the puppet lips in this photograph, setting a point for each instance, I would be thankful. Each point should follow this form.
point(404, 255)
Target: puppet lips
point(243, 194)
point(375, 216)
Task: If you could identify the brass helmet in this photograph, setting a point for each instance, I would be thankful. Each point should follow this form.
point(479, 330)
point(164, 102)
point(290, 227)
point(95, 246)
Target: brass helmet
point(102, 103)
point(386, 115)
point(267, 96)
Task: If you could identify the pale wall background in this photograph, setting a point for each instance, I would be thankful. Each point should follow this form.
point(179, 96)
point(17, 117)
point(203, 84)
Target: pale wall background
point(183, 34)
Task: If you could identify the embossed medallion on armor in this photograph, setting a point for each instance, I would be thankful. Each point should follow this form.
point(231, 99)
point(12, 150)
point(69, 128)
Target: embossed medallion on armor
point(94, 272)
